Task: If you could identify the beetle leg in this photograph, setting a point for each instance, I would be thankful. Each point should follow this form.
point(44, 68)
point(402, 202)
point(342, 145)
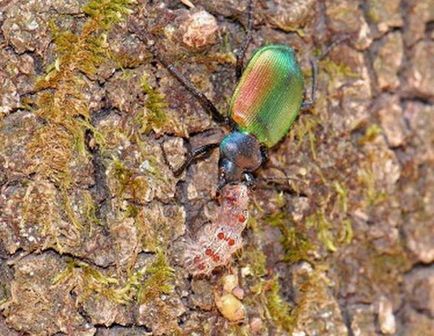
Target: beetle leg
point(330, 47)
point(242, 52)
point(249, 179)
point(194, 154)
point(264, 154)
point(273, 184)
point(308, 103)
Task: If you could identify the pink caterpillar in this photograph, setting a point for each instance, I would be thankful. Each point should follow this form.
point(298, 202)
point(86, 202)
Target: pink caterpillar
point(217, 241)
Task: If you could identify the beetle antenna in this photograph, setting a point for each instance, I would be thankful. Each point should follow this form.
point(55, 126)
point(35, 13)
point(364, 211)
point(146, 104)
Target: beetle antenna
point(272, 184)
point(247, 39)
point(330, 47)
point(207, 104)
point(278, 179)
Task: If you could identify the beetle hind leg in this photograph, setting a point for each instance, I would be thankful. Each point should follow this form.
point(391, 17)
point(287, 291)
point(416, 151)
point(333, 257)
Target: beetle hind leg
point(247, 39)
point(307, 104)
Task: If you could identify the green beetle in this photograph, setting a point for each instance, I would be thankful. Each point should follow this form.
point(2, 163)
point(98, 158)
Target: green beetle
point(265, 103)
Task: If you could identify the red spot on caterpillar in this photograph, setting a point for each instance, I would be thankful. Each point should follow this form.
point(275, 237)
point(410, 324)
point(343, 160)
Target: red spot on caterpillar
point(231, 200)
point(206, 252)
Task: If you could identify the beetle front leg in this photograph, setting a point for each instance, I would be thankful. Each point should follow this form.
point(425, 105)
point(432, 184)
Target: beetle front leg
point(194, 154)
point(249, 180)
point(264, 154)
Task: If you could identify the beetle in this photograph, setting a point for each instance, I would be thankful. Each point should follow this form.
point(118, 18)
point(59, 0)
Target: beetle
point(269, 95)
point(264, 105)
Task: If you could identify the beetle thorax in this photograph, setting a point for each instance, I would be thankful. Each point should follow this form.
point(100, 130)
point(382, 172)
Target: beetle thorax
point(239, 153)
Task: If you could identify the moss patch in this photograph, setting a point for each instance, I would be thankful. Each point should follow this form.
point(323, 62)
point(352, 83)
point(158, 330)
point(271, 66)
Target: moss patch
point(295, 243)
point(154, 114)
point(160, 278)
point(144, 284)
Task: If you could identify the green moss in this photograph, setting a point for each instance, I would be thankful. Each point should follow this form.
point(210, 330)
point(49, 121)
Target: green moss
point(255, 259)
point(337, 69)
point(267, 298)
point(144, 284)
point(124, 60)
point(123, 175)
point(51, 148)
point(336, 72)
point(88, 280)
point(160, 278)
point(60, 100)
point(295, 244)
point(39, 211)
point(132, 211)
point(278, 309)
point(89, 211)
point(97, 136)
point(342, 193)
point(154, 115)
point(373, 11)
point(323, 227)
point(372, 195)
point(305, 128)
point(106, 13)
point(372, 132)
point(265, 294)
point(153, 168)
point(129, 184)
point(3, 297)
point(70, 212)
point(346, 233)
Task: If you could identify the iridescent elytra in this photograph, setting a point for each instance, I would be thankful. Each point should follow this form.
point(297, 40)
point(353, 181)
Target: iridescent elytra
point(269, 94)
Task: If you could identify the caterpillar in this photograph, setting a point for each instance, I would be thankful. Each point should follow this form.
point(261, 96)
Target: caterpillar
point(218, 240)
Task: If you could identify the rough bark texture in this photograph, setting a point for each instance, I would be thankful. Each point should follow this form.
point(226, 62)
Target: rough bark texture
point(340, 239)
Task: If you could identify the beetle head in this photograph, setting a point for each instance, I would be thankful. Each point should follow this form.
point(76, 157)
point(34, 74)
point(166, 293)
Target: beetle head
point(229, 172)
point(239, 153)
